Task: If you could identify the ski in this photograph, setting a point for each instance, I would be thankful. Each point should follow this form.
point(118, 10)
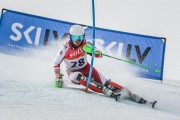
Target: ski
point(96, 87)
point(150, 104)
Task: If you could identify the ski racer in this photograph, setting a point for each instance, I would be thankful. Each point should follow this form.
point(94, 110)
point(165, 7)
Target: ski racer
point(77, 68)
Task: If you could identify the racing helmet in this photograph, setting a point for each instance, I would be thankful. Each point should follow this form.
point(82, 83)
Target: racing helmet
point(77, 35)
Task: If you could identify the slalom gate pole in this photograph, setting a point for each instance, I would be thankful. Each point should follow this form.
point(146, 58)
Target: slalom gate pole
point(93, 45)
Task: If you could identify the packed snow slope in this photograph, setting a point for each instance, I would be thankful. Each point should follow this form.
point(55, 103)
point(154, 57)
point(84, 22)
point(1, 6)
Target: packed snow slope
point(27, 93)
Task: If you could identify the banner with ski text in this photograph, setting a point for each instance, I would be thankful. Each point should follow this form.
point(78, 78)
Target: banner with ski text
point(22, 32)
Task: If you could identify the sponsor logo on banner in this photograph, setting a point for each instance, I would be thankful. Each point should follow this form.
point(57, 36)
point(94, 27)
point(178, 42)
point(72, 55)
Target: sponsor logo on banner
point(17, 29)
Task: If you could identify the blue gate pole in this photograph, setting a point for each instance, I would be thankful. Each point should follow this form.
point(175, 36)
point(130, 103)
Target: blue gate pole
point(93, 46)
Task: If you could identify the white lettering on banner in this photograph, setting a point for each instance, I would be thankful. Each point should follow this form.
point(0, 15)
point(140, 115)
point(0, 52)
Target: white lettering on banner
point(119, 50)
point(19, 47)
point(26, 33)
point(99, 44)
point(16, 31)
point(38, 34)
point(107, 49)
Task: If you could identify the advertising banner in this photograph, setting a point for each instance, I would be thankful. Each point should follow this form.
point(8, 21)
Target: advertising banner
point(22, 32)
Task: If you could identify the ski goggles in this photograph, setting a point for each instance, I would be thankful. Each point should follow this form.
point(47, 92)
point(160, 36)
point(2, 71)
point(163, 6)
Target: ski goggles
point(77, 37)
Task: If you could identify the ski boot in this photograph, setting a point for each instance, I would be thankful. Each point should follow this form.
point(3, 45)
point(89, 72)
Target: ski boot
point(126, 94)
point(111, 89)
point(140, 100)
point(137, 99)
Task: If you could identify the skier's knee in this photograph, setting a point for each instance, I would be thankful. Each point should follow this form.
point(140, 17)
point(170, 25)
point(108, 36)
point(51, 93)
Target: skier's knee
point(74, 77)
point(110, 88)
point(107, 89)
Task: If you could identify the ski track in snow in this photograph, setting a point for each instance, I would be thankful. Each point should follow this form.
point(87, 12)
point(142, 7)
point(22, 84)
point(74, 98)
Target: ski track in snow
point(27, 93)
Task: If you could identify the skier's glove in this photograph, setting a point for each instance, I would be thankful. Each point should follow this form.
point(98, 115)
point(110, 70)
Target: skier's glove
point(59, 81)
point(88, 49)
point(98, 54)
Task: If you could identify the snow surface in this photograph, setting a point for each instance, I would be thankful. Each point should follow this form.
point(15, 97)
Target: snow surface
point(27, 93)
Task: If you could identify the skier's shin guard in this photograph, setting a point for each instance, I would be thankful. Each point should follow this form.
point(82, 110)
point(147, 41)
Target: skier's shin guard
point(92, 87)
point(112, 85)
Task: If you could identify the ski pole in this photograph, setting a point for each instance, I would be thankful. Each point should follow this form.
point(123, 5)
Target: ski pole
point(133, 63)
point(87, 49)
